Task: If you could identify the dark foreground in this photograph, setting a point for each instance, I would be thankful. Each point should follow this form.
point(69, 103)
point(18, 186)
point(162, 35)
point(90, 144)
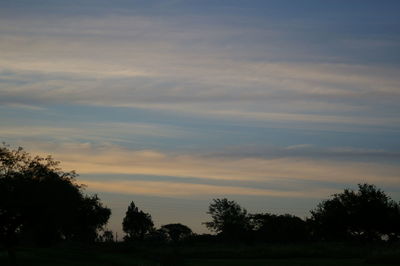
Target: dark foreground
point(215, 254)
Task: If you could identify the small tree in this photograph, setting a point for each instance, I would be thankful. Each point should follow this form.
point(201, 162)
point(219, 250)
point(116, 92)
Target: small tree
point(228, 219)
point(176, 232)
point(367, 214)
point(136, 223)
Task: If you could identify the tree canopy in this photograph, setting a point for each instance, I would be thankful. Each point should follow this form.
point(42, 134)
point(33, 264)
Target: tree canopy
point(279, 228)
point(136, 223)
point(367, 214)
point(176, 232)
point(41, 202)
point(229, 219)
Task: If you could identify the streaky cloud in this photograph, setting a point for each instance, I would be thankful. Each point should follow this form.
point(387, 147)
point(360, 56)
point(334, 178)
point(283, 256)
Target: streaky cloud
point(184, 190)
point(89, 159)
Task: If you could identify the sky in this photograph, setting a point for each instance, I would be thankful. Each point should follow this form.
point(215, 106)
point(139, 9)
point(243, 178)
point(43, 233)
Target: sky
point(170, 104)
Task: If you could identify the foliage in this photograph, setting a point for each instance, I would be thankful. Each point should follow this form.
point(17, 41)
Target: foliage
point(91, 215)
point(279, 228)
point(107, 236)
point(41, 202)
point(176, 232)
point(136, 223)
point(157, 236)
point(367, 214)
point(229, 219)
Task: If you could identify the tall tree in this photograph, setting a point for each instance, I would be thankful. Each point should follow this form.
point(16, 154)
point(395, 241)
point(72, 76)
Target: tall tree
point(229, 219)
point(367, 214)
point(136, 223)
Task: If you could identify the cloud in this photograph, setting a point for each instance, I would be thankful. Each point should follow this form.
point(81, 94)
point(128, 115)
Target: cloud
point(198, 70)
point(146, 61)
point(99, 132)
point(313, 118)
point(25, 106)
point(177, 190)
point(309, 151)
point(110, 159)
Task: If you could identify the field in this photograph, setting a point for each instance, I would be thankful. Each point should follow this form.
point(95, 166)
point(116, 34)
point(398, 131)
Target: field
point(201, 255)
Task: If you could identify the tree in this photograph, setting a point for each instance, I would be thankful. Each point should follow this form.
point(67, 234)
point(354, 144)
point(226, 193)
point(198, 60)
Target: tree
point(157, 235)
point(228, 219)
point(92, 216)
point(39, 201)
point(136, 223)
point(279, 228)
point(367, 214)
point(107, 236)
point(176, 232)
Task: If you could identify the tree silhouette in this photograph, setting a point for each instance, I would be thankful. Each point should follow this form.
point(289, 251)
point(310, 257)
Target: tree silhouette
point(367, 214)
point(176, 232)
point(107, 236)
point(157, 235)
point(91, 215)
point(136, 223)
point(40, 201)
point(279, 228)
point(228, 219)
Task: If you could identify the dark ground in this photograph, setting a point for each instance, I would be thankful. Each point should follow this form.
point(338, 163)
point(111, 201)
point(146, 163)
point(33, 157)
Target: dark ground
point(140, 254)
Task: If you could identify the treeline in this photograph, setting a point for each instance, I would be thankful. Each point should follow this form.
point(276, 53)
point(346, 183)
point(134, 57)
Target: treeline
point(365, 215)
point(40, 203)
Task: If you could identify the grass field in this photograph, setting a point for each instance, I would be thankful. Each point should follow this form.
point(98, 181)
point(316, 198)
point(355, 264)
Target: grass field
point(202, 255)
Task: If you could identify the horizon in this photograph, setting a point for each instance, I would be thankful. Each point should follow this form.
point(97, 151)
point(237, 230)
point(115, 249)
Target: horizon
point(170, 104)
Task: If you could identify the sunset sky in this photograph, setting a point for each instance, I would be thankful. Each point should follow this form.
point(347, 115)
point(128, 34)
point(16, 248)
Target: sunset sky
point(274, 104)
